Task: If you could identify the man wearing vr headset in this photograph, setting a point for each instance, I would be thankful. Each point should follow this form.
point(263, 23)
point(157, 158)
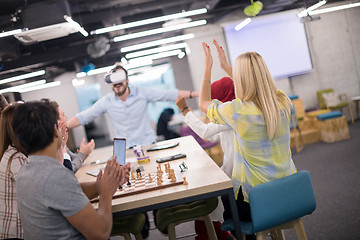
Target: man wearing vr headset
point(127, 108)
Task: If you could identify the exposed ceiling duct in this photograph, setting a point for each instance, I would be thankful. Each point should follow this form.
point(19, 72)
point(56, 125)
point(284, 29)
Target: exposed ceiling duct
point(50, 41)
point(50, 25)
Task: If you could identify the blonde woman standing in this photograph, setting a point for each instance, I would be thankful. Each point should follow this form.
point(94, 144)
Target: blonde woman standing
point(260, 117)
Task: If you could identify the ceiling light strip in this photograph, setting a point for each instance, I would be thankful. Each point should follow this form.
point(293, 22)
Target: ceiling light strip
point(157, 42)
point(149, 21)
point(306, 12)
point(78, 82)
point(12, 32)
point(159, 30)
point(21, 77)
point(156, 56)
point(19, 87)
point(99, 70)
point(336, 8)
point(137, 64)
point(134, 64)
point(76, 25)
point(243, 24)
point(156, 50)
point(43, 86)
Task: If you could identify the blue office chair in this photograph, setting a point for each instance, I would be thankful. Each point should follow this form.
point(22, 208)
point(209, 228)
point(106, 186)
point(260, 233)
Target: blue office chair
point(277, 205)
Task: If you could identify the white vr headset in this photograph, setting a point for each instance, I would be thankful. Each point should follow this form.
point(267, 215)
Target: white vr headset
point(116, 77)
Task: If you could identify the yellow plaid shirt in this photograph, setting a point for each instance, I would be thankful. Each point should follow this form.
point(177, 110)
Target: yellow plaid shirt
point(257, 159)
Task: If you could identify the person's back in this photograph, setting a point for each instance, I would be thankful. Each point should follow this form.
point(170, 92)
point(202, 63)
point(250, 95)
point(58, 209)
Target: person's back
point(260, 116)
point(162, 127)
point(44, 200)
point(258, 158)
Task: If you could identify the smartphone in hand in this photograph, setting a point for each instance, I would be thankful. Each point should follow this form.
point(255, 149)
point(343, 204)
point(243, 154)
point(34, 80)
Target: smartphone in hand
point(120, 150)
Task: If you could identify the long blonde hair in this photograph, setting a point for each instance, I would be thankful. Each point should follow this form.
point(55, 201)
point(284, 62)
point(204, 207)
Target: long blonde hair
point(253, 82)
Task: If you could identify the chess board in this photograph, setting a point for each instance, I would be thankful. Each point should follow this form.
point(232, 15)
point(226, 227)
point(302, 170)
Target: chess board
point(144, 185)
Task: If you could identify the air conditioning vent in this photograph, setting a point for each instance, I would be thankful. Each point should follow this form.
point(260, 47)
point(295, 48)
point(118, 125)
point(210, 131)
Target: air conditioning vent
point(45, 33)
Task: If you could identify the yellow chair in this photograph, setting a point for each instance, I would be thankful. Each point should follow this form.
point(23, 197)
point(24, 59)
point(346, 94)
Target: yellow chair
point(328, 99)
point(294, 126)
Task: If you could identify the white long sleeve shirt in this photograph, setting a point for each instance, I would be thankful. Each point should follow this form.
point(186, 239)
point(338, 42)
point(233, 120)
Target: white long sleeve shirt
point(215, 132)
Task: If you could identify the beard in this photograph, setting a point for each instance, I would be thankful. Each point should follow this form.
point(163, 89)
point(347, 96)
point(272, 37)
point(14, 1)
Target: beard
point(122, 92)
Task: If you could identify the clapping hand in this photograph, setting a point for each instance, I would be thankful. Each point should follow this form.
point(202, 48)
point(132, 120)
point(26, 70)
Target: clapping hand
point(64, 137)
point(108, 182)
point(87, 148)
point(125, 174)
point(64, 133)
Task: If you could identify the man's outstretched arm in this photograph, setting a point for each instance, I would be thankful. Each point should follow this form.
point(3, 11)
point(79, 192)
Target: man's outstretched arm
point(73, 122)
point(188, 94)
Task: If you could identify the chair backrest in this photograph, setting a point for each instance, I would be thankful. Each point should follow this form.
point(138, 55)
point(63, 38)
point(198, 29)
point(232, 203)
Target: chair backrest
point(293, 120)
point(320, 98)
point(281, 200)
point(299, 108)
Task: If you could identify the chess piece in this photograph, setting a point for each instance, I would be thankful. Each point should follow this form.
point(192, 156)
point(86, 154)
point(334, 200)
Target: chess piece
point(139, 176)
point(132, 175)
point(185, 182)
point(173, 178)
point(138, 172)
point(150, 179)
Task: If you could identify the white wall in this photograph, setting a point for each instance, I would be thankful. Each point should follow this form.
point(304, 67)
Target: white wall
point(335, 48)
point(65, 96)
point(334, 43)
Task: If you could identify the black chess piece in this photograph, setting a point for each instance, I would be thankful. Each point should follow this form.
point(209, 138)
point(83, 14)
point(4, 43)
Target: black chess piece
point(138, 171)
point(128, 183)
point(184, 165)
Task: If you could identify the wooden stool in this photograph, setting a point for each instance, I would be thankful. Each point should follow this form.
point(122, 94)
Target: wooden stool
point(133, 224)
point(356, 101)
point(333, 127)
point(168, 218)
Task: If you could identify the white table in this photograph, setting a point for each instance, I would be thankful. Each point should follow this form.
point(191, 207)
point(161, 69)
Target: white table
point(205, 179)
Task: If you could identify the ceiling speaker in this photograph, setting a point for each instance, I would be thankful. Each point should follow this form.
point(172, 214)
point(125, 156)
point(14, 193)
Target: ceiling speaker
point(99, 47)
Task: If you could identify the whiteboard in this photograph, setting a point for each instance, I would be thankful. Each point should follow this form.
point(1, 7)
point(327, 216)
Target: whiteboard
point(279, 38)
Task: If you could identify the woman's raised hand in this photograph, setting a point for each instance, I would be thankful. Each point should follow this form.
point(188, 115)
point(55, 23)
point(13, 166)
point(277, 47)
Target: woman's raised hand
point(224, 64)
point(207, 56)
